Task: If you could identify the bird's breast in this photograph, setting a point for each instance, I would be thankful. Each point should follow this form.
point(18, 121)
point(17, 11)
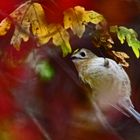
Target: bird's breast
point(112, 79)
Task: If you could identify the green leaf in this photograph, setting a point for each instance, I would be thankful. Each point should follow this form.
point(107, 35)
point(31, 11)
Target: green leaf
point(45, 70)
point(128, 35)
point(134, 43)
point(121, 35)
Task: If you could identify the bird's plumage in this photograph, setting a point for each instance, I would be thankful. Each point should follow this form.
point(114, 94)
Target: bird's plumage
point(109, 82)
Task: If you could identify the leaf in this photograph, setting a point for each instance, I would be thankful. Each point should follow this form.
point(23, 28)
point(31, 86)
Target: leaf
point(38, 24)
point(134, 43)
point(73, 20)
point(29, 18)
point(101, 36)
point(113, 29)
point(17, 38)
point(45, 70)
point(128, 35)
point(4, 26)
point(29, 21)
point(93, 17)
point(120, 58)
point(60, 38)
point(33, 18)
point(76, 18)
point(20, 17)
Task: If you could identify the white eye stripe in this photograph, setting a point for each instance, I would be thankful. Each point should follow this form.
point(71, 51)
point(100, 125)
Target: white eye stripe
point(76, 51)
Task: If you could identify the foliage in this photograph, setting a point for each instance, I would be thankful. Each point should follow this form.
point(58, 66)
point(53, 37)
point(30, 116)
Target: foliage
point(129, 35)
point(45, 70)
point(76, 18)
point(102, 38)
point(30, 22)
point(29, 19)
point(120, 57)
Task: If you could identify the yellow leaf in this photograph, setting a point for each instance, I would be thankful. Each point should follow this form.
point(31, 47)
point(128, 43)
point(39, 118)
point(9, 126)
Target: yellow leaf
point(29, 20)
point(73, 20)
point(16, 15)
point(120, 57)
point(38, 23)
point(61, 38)
point(21, 18)
point(51, 30)
point(93, 17)
point(76, 18)
point(4, 26)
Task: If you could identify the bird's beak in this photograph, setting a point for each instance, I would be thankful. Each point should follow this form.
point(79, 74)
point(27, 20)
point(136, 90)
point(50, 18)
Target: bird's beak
point(73, 57)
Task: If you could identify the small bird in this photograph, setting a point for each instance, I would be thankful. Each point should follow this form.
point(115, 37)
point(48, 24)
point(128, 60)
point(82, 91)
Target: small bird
point(108, 81)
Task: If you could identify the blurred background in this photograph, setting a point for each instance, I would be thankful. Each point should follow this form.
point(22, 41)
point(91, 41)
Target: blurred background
point(54, 101)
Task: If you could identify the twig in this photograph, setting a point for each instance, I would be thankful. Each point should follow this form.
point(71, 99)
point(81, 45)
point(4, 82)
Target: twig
point(39, 126)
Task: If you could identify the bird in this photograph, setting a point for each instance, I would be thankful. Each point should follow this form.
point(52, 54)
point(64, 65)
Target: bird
point(109, 83)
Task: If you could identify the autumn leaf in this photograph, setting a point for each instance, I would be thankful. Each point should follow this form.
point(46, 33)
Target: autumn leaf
point(21, 25)
point(73, 20)
point(32, 19)
point(76, 18)
point(60, 38)
point(39, 26)
point(92, 17)
point(128, 35)
point(4, 26)
point(29, 19)
point(120, 57)
point(101, 36)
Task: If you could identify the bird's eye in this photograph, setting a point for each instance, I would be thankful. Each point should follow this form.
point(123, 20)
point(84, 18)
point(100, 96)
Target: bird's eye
point(82, 54)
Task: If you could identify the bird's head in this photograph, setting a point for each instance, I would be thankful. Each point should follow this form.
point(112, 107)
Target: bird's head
point(82, 54)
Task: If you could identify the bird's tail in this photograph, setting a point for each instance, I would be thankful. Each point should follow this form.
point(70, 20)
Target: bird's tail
point(127, 106)
point(134, 113)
